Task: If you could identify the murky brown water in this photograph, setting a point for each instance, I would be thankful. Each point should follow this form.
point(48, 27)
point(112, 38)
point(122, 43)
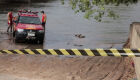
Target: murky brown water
point(63, 24)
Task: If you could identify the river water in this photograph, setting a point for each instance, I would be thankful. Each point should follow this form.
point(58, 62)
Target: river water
point(63, 24)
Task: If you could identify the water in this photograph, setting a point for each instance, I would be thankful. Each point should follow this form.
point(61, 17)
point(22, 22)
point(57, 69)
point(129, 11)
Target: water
point(63, 24)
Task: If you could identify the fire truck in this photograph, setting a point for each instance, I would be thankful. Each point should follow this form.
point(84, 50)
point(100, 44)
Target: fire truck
point(27, 26)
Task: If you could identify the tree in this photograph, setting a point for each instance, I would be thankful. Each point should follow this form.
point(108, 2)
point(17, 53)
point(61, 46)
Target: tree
point(97, 9)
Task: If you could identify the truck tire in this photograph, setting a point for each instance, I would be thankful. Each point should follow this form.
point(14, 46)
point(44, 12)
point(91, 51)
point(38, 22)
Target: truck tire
point(41, 41)
point(16, 39)
point(14, 34)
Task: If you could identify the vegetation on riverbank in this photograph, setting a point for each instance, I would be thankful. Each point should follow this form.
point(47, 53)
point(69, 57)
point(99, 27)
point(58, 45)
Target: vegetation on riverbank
point(98, 9)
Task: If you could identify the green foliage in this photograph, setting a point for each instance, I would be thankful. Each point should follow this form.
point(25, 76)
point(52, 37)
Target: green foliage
point(97, 8)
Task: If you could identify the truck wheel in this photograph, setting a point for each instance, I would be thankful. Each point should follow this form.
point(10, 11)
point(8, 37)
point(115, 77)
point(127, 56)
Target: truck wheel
point(14, 34)
point(16, 39)
point(41, 41)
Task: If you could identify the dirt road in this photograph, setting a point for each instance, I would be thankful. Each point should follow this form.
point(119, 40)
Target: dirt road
point(57, 68)
point(37, 67)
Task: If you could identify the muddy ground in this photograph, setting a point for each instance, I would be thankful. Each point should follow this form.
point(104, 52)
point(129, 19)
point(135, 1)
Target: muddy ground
point(37, 67)
point(57, 68)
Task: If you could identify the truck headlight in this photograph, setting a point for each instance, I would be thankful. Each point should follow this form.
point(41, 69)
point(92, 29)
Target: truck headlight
point(41, 31)
point(20, 30)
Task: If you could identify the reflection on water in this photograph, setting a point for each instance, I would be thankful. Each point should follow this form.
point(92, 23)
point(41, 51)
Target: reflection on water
point(63, 24)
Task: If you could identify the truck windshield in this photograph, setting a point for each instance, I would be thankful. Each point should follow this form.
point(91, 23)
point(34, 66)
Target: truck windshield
point(29, 20)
